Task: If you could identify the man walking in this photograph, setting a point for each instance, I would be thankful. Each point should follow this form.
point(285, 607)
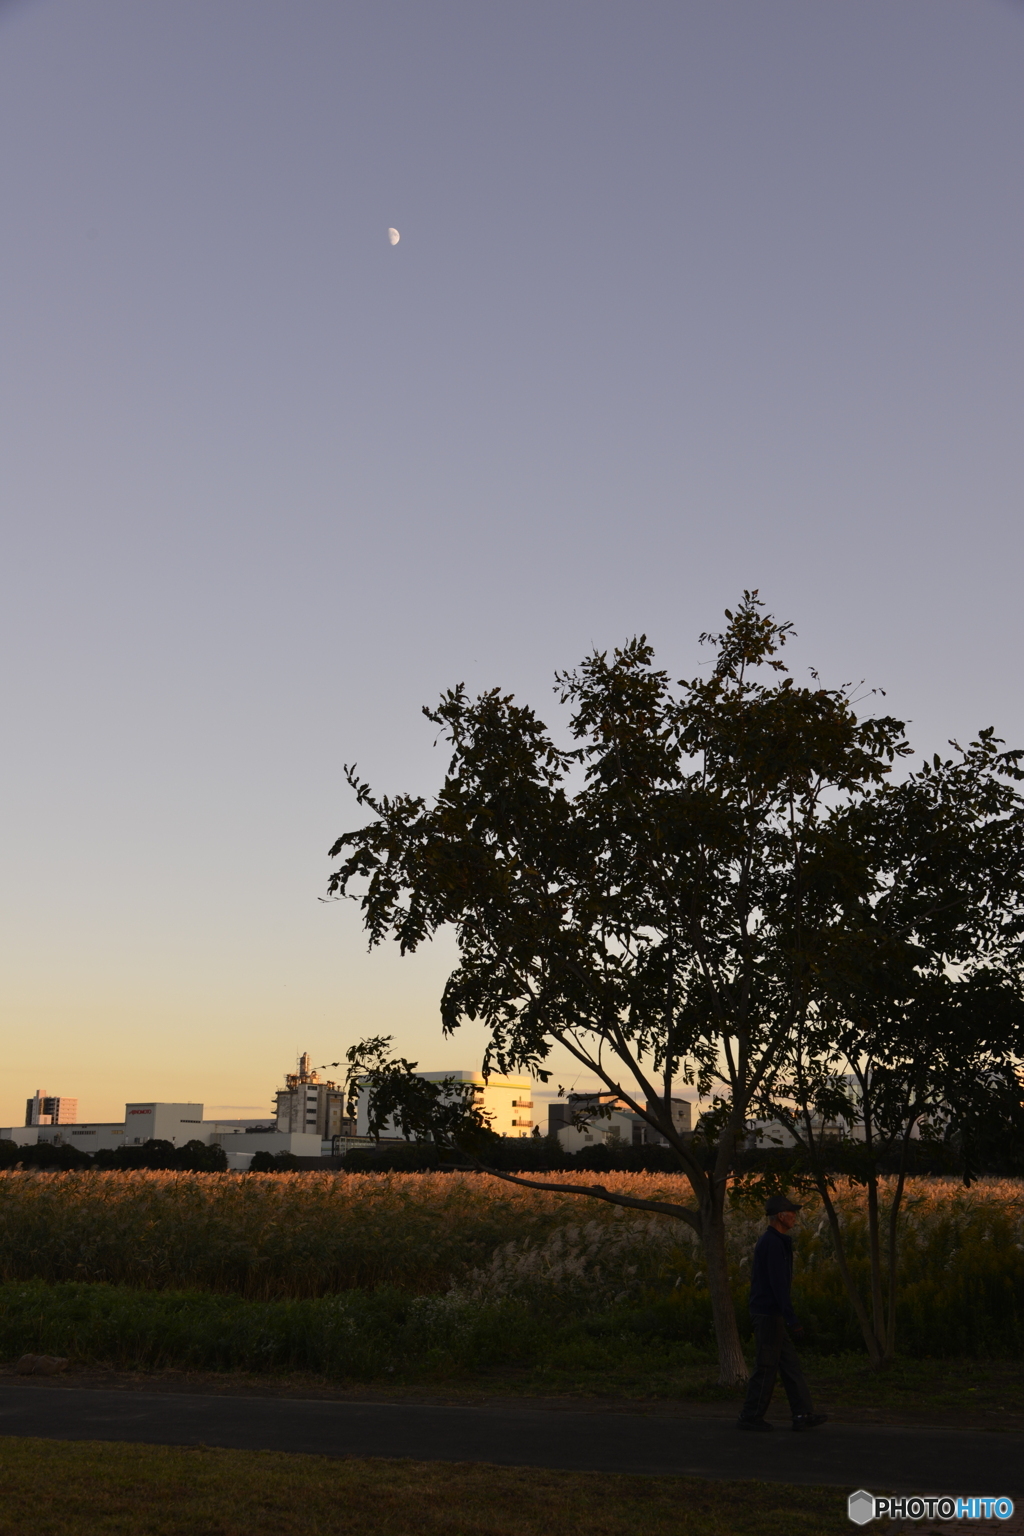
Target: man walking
point(771, 1277)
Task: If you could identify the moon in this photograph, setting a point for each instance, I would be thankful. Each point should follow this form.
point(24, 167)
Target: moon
point(394, 236)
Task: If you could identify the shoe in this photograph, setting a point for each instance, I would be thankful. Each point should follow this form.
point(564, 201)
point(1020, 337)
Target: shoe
point(758, 1426)
point(809, 1420)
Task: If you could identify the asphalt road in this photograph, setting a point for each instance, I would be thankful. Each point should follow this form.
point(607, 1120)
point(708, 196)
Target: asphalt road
point(848, 1455)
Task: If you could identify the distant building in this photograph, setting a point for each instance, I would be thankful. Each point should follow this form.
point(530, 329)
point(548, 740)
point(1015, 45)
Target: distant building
point(309, 1122)
point(612, 1122)
point(44, 1110)
point(309, 1105)
point(176, 1123)
point(508, 1101)
point(682, 1121)
point(767, 1135)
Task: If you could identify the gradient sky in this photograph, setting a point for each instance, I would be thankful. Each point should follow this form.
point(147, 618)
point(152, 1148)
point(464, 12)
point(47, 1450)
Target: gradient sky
point(690, 297)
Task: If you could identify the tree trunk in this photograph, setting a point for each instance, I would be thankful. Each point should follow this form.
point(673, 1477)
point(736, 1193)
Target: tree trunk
point(875, 1254)
point(871, 1340)
point(732, 1366)
point(894, 1218)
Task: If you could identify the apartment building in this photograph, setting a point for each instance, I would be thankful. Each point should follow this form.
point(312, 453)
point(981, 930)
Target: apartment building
point(46, 1109)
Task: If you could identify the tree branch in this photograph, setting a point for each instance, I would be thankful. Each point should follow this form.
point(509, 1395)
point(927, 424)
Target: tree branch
point(598, 1192)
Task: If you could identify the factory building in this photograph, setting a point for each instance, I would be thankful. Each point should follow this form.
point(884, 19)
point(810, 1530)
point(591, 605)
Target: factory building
point(312, 1105)
point(176, 1123)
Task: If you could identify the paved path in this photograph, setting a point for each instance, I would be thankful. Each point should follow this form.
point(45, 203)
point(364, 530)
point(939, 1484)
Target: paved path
point(847, 1455)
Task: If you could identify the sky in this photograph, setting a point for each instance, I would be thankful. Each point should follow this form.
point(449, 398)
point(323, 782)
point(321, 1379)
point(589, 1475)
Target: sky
point(690, 297)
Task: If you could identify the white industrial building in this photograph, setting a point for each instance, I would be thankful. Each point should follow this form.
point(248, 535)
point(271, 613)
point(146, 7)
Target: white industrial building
point(768, 1135)
point(176, 1123)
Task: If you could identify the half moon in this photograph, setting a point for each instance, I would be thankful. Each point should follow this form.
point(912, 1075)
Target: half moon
point(394, 236)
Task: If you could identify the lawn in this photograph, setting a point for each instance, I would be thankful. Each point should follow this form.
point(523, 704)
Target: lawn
point(98, 1489)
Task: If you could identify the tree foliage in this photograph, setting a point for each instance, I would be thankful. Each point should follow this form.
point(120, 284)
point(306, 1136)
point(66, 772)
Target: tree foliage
point(918, 1023)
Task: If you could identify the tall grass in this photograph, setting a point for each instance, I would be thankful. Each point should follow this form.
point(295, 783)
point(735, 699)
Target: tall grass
point(467, 1246)
point(280, 1235)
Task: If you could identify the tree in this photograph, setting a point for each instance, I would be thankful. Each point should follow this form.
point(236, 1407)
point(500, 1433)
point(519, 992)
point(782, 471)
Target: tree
point(638, 900)
point(274, 1162)
point(918, 1022)
point(50, 1156)
point(156, 1154)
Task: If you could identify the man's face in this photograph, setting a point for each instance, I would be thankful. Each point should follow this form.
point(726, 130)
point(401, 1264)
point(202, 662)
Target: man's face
point(786, 1220)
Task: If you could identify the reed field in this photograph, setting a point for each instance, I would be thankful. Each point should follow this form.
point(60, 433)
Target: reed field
point(370, 1274)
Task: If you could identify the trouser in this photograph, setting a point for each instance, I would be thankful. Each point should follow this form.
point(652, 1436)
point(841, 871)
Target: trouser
point(776, 1356)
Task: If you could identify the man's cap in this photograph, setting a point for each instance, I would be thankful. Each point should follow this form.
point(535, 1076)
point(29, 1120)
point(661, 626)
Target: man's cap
point(779, 1203)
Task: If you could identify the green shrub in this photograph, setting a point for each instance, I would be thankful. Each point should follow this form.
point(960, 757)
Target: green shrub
point(368, 1334)
point(358, 1333)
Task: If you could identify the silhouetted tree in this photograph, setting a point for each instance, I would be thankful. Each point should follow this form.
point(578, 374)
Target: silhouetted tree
point(918, 1022)
point(193, 1157)
point(638, 900)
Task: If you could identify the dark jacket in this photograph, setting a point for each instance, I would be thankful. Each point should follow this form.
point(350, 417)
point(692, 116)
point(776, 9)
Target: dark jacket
point(771, 1276)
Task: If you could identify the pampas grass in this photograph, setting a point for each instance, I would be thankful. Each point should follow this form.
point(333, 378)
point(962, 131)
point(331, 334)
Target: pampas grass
point(470, 1241)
